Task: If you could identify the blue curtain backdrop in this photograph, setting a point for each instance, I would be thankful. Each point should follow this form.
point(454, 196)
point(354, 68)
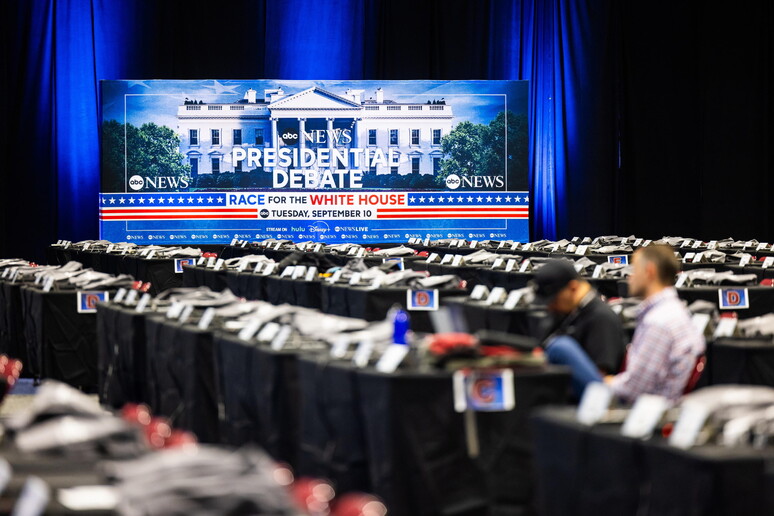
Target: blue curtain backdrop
point(602, 89)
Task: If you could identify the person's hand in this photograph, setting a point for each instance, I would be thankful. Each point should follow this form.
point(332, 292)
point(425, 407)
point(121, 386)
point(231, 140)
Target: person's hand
point(609, 379)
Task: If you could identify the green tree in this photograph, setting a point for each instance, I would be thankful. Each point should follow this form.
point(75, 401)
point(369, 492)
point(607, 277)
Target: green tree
point(465, 149)
point(151, 151)
point(516, 156)
point(113, 156)
point(477, 149)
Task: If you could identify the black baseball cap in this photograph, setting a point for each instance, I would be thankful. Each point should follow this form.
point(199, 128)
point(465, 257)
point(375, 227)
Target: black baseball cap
point(551, 278)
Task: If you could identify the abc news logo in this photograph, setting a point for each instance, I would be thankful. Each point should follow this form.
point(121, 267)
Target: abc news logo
point(453, 181)
point(289, 136)
point(160, 183)
point(136, 182)
point(292, 136)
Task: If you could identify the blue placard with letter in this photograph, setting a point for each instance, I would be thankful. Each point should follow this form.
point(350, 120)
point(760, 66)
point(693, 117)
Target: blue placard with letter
point(207, 161)
point(87, 301)
point(733, 298)
point(180, 262)
point(422, 300)
point(620, 259)
point(484, 390)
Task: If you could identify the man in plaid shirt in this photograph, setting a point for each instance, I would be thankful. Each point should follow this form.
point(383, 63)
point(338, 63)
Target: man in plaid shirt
point(666, 344)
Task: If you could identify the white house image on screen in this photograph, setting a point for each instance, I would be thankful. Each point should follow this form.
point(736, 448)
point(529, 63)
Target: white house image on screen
point(209, 132)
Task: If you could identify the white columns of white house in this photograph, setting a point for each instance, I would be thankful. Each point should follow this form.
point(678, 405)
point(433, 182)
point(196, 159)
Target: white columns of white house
point(355, 140)
point(274, 135)
point(329, 127)
point(301, 139)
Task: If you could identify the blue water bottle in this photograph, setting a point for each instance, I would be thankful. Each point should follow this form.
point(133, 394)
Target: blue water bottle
point(401, 325)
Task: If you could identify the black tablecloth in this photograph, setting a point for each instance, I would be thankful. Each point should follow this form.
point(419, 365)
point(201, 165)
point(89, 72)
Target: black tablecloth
point(397, 435)
point(295, 292)
point(61, 343)
point(258, 389)
point(122, 345)
point(246, 284)
point(181, 379)
point(596, 471)
point(204, 277)
point(507, 280)
point(12, 342)
point(160, 272)
point(416, 449)
point(331, 430)
point(747, 361)
point(519, 321)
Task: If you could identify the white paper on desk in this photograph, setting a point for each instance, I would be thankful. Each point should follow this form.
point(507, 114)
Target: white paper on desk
point(479, 292)
point(514, 296)
point(688, 426)
point(594, 403)
point(336, 276)
point(119, 295)
point(726, 327)
point(206, 319)
point(363, 353)
point(5, 474)
point(340, 347)
point(644, 416)
point(33, 499)
point(88, 498)
point(248, 331)
point(174, 310)
point(279, 340)
point(392, 357)
point(186, 313)
point(268, 332)
point(700, 322)
point(496, 296)
point(144, 300)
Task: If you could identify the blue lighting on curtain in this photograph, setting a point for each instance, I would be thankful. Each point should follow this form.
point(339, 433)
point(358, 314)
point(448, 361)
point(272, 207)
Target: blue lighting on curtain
point(310, 39)
point(85, 41)
point(540, 41)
